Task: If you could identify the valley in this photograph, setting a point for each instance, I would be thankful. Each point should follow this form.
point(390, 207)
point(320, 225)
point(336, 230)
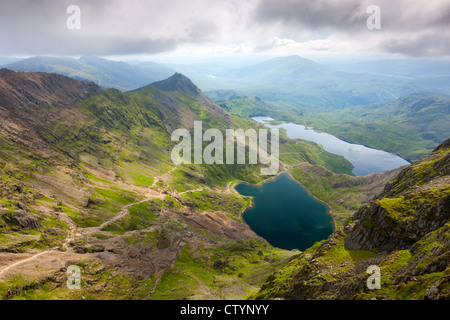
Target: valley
point(91, 184)
point(87, 179)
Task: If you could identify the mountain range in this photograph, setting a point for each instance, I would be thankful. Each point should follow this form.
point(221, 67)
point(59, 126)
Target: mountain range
point(291, 79)
point(87, 179)
point(305, 83)
point(105, 73)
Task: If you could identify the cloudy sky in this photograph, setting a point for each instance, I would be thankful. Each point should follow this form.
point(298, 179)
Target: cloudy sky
point(224, 27)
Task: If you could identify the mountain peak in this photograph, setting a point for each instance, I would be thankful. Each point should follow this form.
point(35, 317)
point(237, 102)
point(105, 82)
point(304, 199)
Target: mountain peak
point(177, 82)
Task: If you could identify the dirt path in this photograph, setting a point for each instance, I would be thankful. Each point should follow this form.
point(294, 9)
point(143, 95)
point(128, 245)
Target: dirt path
point(23, 261)
point(161, 177)
point(193, 190)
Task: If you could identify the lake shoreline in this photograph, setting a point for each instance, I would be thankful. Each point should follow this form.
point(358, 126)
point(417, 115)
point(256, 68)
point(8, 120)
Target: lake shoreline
point(337, 136)
point(365, 159)
point(286, 170)
point(233, 184)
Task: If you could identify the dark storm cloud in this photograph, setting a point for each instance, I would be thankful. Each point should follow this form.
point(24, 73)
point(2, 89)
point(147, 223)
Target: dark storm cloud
point(311, 14)
point(107, 27)
point(411, 27)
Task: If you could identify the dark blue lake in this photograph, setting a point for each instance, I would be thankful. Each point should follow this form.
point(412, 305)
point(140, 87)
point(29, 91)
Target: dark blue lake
point(285, 214)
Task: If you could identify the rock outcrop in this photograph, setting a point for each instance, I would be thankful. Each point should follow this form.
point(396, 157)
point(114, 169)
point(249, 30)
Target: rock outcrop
point(23, 220)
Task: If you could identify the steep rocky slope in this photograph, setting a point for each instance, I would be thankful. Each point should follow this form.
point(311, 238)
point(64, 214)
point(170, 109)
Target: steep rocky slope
point(404, 231)
point(28, 101)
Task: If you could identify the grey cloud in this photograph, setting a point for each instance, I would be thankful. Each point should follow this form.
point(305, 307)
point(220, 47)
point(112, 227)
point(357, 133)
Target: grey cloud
point(344, 15)
point(312, 14)
point(115, 27)
point(107, 27)
point(418, 45)
point(410, 27)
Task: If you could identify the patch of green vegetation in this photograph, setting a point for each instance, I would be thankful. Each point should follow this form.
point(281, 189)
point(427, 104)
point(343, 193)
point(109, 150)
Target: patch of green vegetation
point(228, 271)
point(208, 200)
point(246, 106)
point(100, 236)
point(139, 216)
point(405, 207)
point(104, 204)
point(171, 203)
point(297, 151)
point(114, 196)
point(86, 221)
point(337, 254)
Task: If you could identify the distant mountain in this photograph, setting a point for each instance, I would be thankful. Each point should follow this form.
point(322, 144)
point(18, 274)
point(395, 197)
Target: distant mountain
point(291, 67)
point(6, 60)
point(27, 100)
point(305, 83)
point(103, 72)
point(431, 74)
point(178, 83)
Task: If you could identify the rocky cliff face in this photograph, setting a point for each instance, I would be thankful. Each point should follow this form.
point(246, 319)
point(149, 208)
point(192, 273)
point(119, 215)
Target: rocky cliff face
point(404, 231)
point(28, 101)
point(36, 90)
point(412, 205)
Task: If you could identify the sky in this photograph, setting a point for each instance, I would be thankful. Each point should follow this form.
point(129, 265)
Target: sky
point(133, 28)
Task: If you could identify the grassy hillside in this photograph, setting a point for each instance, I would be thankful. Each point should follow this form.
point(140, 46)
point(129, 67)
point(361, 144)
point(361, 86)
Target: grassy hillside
point(343, 193)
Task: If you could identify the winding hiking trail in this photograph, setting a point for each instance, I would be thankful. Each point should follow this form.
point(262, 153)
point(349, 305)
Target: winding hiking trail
point(23, 261)
point(75, 231)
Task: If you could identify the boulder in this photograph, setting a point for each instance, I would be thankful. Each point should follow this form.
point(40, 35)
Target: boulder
point(23, 220)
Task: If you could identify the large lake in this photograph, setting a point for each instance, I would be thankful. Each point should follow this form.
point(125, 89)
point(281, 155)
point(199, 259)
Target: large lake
point(365, 160)
point(285, 214)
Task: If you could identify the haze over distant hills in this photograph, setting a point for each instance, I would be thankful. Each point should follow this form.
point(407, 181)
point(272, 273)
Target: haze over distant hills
point(105, 73)
point(431, 74)
point(304, 82)
point(291, 79)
